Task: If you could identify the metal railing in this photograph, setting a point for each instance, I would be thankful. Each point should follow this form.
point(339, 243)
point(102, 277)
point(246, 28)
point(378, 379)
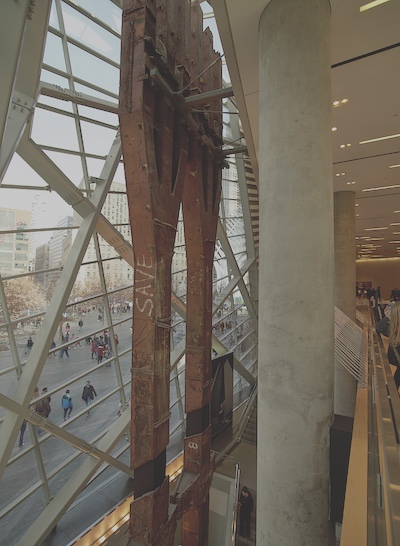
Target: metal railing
point(372, 505)
point(350, 346)
point(235, 503)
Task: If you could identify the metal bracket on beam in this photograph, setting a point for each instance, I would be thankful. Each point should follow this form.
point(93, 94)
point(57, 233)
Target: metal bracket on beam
point(204, 98)
point(236, 150)
point(179, 103)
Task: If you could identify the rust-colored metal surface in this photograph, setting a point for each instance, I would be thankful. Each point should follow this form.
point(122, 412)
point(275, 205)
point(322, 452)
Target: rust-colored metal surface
point(201, 196)
point(163, 51)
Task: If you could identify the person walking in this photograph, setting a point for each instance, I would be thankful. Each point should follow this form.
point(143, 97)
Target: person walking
point(88, 394)
point(29, 345)
point(80, 324)
point(43, 408)
point(66, 403)
point(100, 353)
point(389, 326)
point(64, 350)
point(246, 506)
point(95, 344)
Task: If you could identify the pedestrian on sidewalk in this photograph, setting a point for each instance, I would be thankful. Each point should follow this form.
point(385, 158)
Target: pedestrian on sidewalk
point(29, 345)
point(66, 403)
point(95, 344)
point(43, 408)
point(88, 394)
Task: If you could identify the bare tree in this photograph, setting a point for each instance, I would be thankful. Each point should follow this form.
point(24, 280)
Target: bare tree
point(24, 297)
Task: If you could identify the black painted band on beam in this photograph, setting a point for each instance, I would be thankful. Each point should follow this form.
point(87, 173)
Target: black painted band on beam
point(198, 420)
point(150, 475)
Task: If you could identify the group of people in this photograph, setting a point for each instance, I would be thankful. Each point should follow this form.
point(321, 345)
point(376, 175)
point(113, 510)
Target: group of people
point(101, 347)
point(43, 407)
point(389, 326)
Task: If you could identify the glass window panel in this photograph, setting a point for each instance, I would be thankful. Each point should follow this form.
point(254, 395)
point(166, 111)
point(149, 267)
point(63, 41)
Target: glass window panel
point(70, 165)
point(52, 129)
point(99, 115)
point(89, 33)
point(97, 140)
point(56, 103)
point(50, 77)
point(90, 68)
point(105, 11)
point(53, 53)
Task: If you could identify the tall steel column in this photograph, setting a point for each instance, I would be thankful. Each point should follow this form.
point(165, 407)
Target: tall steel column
point(165, 58)
point(201, 198)
point(154, 144)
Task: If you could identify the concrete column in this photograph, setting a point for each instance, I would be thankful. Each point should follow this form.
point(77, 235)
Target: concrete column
point(345, 290)
point(295, 400)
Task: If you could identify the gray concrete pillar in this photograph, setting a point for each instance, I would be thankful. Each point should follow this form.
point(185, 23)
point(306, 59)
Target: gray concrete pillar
point(345, 290)
point(295, 400)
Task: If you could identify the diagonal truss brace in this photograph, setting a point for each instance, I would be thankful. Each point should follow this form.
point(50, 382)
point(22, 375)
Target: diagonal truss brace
point(66, 496)
point(33, 368)
point(63, 434)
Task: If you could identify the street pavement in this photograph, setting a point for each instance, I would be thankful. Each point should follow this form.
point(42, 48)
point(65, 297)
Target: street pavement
point(58, 375)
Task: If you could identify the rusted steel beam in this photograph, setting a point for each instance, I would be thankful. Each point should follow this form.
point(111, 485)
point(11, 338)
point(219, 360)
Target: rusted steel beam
point(165, 58)
point(154, 143)
point(201, 196)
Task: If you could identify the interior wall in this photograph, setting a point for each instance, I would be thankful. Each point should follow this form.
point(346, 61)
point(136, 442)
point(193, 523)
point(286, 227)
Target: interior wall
point(383, 272)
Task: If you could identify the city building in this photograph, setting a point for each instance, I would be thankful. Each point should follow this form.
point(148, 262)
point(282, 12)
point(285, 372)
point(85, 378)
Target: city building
point(14, 247)
point(115, 209)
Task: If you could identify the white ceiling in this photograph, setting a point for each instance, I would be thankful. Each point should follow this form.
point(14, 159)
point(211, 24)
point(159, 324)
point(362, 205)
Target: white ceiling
point(372, 85)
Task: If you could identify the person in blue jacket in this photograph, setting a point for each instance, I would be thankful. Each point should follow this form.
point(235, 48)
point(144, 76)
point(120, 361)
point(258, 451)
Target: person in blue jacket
point(67, 405)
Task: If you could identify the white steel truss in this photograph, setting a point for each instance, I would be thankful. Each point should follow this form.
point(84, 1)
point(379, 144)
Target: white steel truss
point(43, 83)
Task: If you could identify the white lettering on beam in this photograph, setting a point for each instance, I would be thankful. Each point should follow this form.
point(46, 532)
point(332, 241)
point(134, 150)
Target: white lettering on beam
point(147, 290)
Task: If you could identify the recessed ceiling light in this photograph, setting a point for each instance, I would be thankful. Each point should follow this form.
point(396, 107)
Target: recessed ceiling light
point(396, 233)
point(382, 188)
point(371, 5)
point(379, 138)
point(394, 166)
point(337, 103)
point(334, 128)
point(342, 146)
point(396, 211)
point(348, 145)
point(348, 183)
point(394, 242)
point(374, 228)
point(395, 224)
point(356, 204)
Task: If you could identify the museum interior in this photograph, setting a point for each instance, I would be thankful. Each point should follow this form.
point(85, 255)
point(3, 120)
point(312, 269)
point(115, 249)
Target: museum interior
point(200, 216)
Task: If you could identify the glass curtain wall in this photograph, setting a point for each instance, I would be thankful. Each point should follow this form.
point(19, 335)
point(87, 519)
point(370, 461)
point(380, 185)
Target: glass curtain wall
point(66, 275)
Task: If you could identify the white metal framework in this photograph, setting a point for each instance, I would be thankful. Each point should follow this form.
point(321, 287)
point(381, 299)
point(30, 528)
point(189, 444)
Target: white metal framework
point(61, 156)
